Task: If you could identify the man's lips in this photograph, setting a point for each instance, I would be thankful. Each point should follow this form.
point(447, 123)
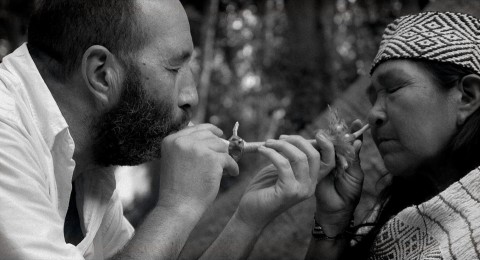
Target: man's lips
point(185, 120)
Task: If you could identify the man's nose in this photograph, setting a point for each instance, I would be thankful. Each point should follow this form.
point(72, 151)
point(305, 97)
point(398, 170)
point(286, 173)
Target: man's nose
point(377, 115)
point(188, 96)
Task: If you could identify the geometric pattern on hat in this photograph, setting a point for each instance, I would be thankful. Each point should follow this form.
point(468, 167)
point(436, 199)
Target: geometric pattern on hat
point(436, 36)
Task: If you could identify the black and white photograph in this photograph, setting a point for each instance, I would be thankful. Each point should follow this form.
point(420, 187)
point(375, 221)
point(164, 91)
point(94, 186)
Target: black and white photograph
point(240, 129)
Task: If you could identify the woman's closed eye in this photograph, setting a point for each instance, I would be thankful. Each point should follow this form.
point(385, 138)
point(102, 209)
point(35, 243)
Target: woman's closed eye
point(397, 86)
point(173, 70)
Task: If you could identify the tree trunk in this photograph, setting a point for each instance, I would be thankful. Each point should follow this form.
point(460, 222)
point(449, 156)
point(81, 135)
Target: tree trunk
point(309, 63)
point(207, 60)
point(265, 9)
point(302, 35)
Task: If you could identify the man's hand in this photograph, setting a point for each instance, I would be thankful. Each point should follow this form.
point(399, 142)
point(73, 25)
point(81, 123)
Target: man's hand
point(192, 164)
point(290, 180)
point(338, 191)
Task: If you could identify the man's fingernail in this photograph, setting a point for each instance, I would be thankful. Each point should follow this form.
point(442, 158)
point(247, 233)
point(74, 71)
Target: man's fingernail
point(322, 137)
point(283, 137)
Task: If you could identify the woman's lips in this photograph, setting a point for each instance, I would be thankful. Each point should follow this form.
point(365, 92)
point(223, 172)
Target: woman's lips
point(386, 144)
point(384, 139)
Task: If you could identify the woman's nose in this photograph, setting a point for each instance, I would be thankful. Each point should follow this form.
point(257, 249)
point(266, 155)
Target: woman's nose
point(377, 116)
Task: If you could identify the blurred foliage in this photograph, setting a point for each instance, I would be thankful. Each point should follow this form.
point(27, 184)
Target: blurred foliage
point(239, 87)
point(261, 77)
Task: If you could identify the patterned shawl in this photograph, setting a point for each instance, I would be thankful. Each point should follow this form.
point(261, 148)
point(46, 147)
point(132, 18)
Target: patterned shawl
point(445, 227)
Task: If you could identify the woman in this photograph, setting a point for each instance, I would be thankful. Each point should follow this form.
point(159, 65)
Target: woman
point(425, 122)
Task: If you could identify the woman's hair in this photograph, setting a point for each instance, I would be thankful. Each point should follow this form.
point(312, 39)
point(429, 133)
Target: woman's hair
point(465, 146)
point(464, 149)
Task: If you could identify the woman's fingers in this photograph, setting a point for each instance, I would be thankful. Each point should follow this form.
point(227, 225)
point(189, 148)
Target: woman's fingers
point(356, 125)
point(327, 155)
point(349, 180)
point(354, 169)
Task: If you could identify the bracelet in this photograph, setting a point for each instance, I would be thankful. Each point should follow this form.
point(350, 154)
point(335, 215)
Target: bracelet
point(319, 234)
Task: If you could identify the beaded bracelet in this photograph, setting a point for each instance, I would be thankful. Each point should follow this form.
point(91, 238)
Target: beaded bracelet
point(319, 234)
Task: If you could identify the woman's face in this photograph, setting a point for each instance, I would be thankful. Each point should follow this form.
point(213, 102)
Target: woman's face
point(412, 118)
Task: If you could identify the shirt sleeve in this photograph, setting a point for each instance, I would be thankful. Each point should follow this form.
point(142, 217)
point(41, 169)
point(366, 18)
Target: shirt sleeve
point(30, 226)
point(118, 231)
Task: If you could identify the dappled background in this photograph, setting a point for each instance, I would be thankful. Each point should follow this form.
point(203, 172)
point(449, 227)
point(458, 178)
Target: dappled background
point(273, 66)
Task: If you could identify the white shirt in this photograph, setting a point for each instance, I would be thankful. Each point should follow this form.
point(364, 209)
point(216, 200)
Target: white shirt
point(36, 169)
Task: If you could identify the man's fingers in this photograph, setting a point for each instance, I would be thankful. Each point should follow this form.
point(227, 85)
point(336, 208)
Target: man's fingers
point(313, 156)
point(199, 140)
point(191, 129)
point(217, 145)
point(285, 172)
point(230, 166)
point(297, 159)
point(209, 139)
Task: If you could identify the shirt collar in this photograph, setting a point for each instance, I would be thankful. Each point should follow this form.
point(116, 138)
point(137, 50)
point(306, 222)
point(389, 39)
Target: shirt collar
point(49, 120)
point(45, 111)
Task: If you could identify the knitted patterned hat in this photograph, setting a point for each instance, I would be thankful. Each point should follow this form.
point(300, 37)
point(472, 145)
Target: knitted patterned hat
point(445, 37)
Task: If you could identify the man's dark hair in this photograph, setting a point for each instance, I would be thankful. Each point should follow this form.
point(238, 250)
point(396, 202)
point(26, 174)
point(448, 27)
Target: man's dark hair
point(65, 29)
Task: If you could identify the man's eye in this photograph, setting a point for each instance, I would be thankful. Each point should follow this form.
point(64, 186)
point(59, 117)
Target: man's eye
point(392, 90)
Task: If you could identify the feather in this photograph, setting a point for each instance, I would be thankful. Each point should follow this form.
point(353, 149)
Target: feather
point(338, 134)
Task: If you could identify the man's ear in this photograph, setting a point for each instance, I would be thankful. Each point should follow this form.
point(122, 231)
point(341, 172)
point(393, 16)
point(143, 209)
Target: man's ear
point(102, 74)
point(470, 97)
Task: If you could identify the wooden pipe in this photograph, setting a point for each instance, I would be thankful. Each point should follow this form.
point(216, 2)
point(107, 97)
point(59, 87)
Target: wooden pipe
point(237, 146)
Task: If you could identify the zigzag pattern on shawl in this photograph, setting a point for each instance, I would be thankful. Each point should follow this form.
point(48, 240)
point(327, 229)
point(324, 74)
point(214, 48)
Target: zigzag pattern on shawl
point(444, 227)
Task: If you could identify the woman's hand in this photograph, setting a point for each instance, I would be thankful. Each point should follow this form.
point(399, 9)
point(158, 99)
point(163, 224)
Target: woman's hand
point(338, 191)
point(291, 179)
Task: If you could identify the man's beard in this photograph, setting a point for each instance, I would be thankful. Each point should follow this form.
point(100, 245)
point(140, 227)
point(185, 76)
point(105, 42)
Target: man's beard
point(131, 132)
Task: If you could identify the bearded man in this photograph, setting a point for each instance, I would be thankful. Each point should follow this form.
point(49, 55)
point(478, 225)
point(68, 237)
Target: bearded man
point(102, 83)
